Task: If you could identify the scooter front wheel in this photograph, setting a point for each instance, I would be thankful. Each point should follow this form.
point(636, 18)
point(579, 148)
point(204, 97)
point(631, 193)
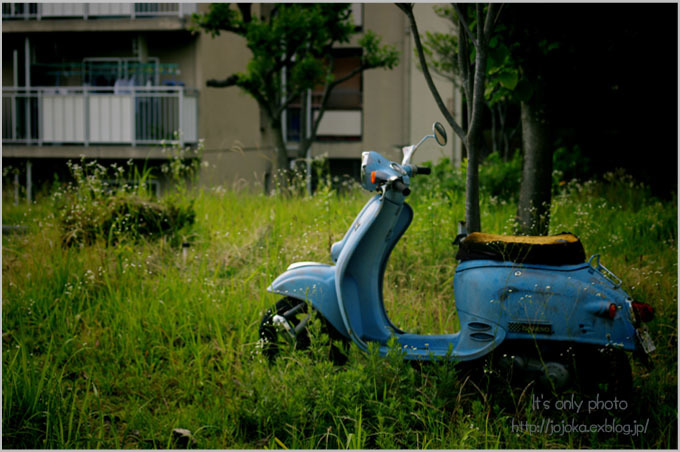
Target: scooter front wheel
point(281, 324)
point(286, 324)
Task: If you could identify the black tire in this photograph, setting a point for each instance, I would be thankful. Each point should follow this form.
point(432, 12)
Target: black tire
point(605, 372)
point(269, 335)
point(272, 339)
point(593, 370)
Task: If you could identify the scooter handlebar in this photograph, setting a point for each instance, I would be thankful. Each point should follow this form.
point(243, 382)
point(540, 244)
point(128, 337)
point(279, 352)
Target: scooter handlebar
point(401, 187)
point(425, 170)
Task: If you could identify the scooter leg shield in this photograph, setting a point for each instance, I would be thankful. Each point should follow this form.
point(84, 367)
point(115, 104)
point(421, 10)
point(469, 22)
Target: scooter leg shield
point(314, 283)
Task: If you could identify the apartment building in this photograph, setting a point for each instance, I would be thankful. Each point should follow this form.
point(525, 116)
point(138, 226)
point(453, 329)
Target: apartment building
point(117, 81)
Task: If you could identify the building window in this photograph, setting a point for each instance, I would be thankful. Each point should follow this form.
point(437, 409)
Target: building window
point(343, 117)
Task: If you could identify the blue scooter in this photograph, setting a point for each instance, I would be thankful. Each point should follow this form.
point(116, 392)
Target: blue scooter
point(546, 311)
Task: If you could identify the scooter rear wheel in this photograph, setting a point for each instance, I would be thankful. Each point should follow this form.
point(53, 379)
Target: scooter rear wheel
point(605, 372)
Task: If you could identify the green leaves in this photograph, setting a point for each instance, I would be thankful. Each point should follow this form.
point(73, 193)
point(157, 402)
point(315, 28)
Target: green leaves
point(376, 55)
point(220, 18)
point(508, 78)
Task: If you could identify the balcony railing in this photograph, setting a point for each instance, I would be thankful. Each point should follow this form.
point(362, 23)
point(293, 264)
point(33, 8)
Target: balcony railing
point(130, 115)
point(38, 11)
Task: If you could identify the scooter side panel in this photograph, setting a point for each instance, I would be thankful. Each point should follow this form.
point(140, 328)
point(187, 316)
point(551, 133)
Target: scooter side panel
point(337, 247)
point(359, 270)
point(315, 283)
point(565, 303)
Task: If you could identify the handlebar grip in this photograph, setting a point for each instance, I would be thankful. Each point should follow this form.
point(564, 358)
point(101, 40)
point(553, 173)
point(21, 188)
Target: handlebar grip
point(423, 170)
point(401, 187)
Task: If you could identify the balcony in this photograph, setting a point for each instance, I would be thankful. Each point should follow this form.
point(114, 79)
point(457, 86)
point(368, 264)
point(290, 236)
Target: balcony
point(84, 115)
point(39, 11)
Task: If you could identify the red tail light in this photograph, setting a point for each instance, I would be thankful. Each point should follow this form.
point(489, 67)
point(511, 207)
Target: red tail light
point(643, 311)
point(611, 311)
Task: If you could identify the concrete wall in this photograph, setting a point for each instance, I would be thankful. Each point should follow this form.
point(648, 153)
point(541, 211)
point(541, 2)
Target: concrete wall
point(229, 119)
point(175, 48)
point(423, 108)
point(398, 106)
point(385, 91)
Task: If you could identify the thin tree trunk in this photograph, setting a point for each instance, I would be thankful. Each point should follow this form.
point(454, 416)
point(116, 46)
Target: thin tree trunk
point(533, 211)
point(281, 159)
point(473, 222)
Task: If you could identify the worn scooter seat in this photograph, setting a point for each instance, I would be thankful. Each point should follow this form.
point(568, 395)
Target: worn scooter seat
point(560, 249)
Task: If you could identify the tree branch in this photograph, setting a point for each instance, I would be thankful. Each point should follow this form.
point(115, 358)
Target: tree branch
point(491, 19)
point(246, 13)
point(498, 16)
point(480, 66)
point(428, 78)
point(478, 91)
point(232, 80)
point(479, 13)
point(461, 19)
point(464, 63)
point(286, 102)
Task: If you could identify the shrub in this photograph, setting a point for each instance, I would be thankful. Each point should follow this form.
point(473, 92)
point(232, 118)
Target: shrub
point(497, 178)
point(93, 208)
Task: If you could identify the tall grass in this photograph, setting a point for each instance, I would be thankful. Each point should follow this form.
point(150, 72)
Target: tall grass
point(115, 345)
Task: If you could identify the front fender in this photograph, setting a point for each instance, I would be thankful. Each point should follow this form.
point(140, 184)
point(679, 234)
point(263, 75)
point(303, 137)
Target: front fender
point(315, 283)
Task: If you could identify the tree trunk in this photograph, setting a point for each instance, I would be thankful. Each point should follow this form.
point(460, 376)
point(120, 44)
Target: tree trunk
point(533, 211)
point(473, 222)
point(494, 130)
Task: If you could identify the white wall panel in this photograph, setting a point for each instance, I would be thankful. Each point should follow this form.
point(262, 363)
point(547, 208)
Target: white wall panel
point(63, 119)
point(189, 119)
point(110, 9)
point(62, 9)
point(110, 118)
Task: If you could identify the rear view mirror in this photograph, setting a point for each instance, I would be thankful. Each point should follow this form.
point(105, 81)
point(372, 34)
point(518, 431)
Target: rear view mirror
point(439, 133)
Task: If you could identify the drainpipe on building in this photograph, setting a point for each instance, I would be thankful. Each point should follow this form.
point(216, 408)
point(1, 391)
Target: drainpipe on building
point(16, 188)
point(27, 85)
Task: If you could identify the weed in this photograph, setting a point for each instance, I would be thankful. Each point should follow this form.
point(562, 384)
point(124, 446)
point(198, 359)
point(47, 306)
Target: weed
point(102, 204)
point(118, 346)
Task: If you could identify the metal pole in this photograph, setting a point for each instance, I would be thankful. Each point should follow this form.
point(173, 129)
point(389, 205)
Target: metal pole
point(29, 181)
point(16, 188)
point(14, 95)
point(86, 115)
point(133, 131)
point(27, 84)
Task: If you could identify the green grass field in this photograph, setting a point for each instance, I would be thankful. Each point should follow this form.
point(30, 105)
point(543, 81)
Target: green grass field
point(116, 346)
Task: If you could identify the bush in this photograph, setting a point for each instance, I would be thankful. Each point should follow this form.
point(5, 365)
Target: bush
point(497, 178)
point(92, 208)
